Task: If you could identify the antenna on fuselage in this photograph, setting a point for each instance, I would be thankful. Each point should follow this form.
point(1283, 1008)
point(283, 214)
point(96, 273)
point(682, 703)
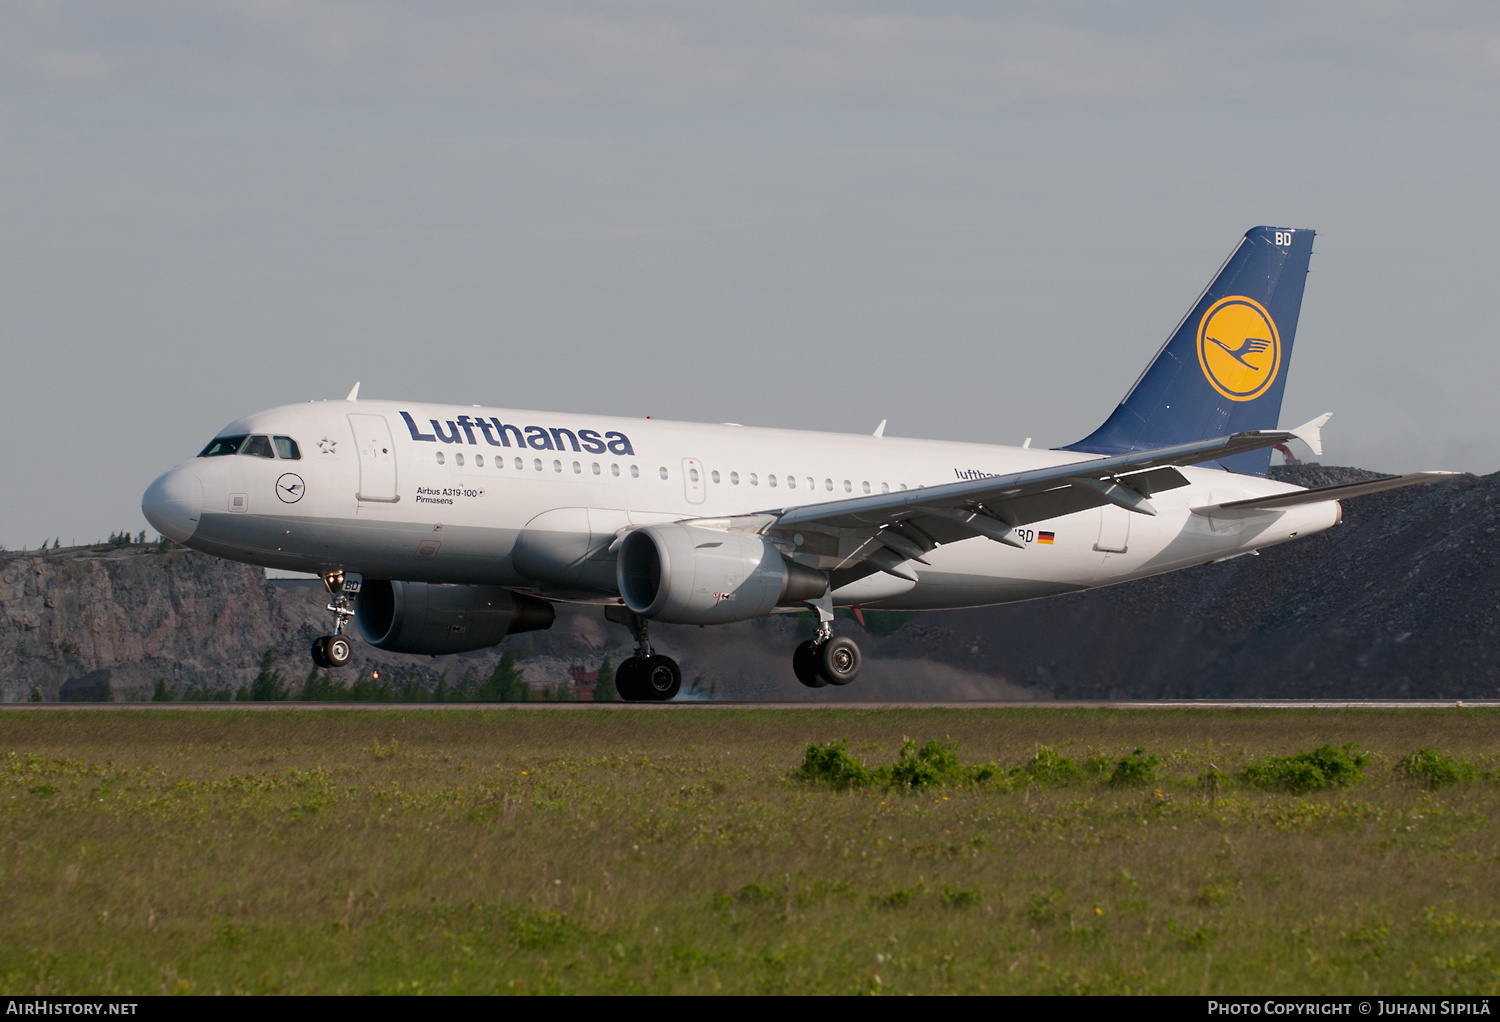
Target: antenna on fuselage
point(353, 393)
point(880, 429)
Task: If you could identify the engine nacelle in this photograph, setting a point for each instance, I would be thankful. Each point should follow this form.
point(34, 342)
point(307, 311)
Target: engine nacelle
point(688, 575)
point(416, 617)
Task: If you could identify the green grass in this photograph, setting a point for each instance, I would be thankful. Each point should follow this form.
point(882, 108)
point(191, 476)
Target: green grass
point(658, 850)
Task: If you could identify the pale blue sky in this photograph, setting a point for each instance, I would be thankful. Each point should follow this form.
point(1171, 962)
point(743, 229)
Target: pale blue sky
point(976, 220)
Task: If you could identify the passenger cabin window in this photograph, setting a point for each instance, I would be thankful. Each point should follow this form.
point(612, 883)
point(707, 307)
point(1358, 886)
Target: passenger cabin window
point(439, 457)
point(286, 448)
point(635, 471)
point(222, 445)
point(479, 460)
point(258, 447)
point(458, 459)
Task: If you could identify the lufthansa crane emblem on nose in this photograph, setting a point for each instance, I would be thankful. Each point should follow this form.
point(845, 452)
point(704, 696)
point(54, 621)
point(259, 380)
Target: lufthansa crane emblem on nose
point(290, 488)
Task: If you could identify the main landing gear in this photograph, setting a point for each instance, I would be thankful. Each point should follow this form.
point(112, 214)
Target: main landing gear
point(335, 650)
point(825, 659)
point(646, 677)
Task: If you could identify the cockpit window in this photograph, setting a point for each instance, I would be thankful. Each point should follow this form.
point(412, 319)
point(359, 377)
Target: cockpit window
point(222, 445)
point(286, 447)
point(258, 447)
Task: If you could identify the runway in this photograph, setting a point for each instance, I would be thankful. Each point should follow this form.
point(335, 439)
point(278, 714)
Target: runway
point(705, 704)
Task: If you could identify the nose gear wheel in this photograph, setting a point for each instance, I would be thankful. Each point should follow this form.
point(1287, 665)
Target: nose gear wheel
point(329, 651)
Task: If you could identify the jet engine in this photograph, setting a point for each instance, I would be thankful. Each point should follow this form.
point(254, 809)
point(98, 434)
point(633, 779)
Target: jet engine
point(684, 574)
point(416, 617)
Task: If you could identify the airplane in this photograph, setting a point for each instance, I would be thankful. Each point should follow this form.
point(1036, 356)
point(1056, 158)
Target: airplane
point(467, 524)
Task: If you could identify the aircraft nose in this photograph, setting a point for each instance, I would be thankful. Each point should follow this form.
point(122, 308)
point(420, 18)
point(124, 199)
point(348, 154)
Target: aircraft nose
point(173, 504)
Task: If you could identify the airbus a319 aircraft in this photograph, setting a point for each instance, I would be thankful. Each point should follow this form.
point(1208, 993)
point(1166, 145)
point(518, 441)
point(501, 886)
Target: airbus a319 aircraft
point(466, 524)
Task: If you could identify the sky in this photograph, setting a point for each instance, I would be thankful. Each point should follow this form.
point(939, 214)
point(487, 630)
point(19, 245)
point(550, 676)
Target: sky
point(976, 220)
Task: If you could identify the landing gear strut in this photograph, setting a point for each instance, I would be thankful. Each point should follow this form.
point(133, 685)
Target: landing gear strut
point(334, 650)
point(825, 659)
point(646, 676)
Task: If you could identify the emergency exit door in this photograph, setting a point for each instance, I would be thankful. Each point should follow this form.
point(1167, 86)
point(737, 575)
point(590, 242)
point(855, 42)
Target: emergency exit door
point(693, 481)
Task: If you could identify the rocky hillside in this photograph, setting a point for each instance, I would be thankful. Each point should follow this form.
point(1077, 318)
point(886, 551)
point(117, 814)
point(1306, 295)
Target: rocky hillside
point(1401, 600)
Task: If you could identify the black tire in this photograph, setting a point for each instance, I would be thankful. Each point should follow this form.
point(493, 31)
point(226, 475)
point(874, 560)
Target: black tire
point(838, 661)
point(338, 651)
point(805, 664)
point(320, 652)
point(628, 680)
point(661, 678)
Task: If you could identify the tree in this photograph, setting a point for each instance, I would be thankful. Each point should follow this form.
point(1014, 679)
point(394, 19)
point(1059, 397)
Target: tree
point(604, 689)
point(504, 685)
point(161, 695)
point(267, 686)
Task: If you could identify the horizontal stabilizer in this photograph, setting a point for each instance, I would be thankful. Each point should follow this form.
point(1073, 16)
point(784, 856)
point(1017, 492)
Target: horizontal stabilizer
point(1257, 505)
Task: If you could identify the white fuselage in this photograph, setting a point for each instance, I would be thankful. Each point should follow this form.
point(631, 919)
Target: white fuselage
point(440, 498)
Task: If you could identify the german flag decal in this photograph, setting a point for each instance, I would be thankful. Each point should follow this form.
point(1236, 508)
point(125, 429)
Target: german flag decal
point(1044, 537)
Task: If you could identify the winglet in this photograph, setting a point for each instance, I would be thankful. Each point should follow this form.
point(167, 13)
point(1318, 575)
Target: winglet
point(880, 429)
point(1311, 433)
point(353, 393)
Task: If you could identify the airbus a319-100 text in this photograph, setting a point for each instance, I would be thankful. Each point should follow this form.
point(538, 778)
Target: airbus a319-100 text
point(466, 524)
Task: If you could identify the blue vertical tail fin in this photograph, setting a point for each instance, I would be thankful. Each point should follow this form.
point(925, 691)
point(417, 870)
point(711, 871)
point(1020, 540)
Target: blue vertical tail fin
point(1224, 368)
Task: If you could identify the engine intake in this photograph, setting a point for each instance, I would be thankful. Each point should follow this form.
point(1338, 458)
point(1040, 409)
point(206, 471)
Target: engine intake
point(683, 574)
point(415, 617)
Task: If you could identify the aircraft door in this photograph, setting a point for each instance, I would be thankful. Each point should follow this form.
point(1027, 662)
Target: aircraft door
point(692, 479)
point(1114, 529)
point(377, 458)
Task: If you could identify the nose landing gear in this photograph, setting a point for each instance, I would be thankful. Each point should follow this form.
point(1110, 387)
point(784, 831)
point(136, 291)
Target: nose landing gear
point(825, 659)
point(647, 676)
point(335, 650)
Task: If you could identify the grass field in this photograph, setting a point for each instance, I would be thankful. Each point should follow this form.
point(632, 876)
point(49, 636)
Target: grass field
point(673, 850)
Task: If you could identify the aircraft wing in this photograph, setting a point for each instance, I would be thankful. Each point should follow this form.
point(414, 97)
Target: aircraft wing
point(1039, 494)
point(883, 531)
point(1260, 505)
